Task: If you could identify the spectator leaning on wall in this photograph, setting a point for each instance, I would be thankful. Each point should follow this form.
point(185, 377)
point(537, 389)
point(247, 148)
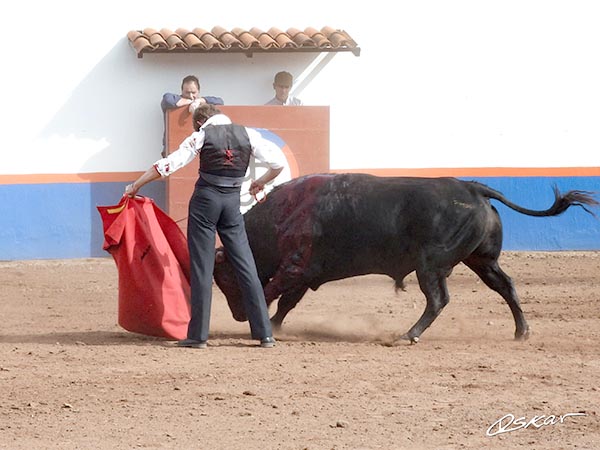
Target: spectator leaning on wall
point(190, 96)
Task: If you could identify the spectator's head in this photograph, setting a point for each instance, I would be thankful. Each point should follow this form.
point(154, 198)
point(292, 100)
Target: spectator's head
point(190, 87)
point(282, 84)
point(202, 113)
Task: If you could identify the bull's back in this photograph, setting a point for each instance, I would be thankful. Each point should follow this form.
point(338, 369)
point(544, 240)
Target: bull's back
point(352, 224)
point(382, 225)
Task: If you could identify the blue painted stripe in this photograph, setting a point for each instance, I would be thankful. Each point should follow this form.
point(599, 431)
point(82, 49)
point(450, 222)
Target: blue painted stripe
point(54, 221)
point(573, 230)
point(57, 221)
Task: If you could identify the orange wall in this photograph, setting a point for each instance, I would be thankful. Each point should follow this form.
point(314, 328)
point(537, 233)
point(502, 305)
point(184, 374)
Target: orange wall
point(305, 130)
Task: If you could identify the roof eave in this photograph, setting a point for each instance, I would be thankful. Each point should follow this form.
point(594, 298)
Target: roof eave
point(249, 52)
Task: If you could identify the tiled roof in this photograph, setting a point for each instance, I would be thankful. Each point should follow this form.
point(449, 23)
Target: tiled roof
point(238, 40)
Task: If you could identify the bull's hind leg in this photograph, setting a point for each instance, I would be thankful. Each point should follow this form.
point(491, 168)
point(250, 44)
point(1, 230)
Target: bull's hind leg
point(492, 275)
point(433, 285)
point(286, 303)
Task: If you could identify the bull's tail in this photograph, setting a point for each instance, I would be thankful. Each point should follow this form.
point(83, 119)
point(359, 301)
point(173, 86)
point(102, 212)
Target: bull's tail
point(562, 202)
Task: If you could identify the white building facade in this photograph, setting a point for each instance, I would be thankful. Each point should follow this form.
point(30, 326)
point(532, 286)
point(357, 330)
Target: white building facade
point(505, 92)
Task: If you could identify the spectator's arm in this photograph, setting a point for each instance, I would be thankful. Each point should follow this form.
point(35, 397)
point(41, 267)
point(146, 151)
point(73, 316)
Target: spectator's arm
point(170, 101)
point(214, 100)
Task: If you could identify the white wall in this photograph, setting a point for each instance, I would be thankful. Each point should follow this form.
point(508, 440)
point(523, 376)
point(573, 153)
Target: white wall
point(438, 83)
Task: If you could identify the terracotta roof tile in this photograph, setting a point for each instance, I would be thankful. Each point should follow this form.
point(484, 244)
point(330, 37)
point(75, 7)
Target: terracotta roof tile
point(245, 38)
point(219, 39)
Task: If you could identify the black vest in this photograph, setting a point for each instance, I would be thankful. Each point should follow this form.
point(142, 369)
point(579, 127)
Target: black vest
point(226, 151)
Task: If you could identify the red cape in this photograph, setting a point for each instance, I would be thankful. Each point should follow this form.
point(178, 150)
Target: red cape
point(153, 262)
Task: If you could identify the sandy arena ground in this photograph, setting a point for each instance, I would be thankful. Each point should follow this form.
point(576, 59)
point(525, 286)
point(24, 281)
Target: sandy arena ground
point(71, 378)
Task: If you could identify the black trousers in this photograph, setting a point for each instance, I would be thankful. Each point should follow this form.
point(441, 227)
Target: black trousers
point(214, 209)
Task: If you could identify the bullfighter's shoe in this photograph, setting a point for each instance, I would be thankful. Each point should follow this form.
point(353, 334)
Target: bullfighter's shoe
point(191, 343)
point(267, 342)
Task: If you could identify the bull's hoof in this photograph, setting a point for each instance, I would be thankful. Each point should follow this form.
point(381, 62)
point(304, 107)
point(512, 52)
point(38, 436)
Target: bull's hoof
point(413, 340)
point(523, 335)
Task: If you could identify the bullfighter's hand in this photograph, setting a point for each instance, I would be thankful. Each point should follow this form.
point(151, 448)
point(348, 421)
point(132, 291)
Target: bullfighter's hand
point(256, 187)
point(130, 190)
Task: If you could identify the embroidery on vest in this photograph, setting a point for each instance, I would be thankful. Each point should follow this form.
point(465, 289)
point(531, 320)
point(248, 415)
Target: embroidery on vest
point(228, 158)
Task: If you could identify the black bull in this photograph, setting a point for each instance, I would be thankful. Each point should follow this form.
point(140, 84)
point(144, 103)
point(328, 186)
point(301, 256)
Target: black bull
point(321, 228)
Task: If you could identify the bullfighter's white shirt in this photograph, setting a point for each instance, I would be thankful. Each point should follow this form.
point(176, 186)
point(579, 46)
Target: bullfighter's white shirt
point(264, 150)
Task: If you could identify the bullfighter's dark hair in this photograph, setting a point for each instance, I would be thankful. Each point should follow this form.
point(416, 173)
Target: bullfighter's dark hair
point(203, 112)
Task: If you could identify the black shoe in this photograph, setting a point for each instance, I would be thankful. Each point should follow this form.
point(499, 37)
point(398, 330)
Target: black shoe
point(191, 343)
point(267, 342)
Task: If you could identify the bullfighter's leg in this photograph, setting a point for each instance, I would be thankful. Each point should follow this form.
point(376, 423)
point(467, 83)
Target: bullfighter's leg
point(433, 285)
point(286, 303)
point(232, 231)
point(492, 275)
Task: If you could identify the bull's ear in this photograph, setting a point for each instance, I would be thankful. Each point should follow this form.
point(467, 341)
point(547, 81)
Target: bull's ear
point(219, 255)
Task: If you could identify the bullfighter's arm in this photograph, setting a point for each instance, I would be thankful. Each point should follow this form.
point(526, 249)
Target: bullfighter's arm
point(268, 153)
point(166, 166)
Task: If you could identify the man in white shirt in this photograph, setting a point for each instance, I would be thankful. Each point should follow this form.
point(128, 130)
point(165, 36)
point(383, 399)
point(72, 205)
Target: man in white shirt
point(224, 150)
point(282, 84)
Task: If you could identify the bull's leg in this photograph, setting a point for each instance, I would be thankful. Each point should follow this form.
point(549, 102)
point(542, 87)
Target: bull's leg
point(286, 303)
point(433, 285)
point(492, 275)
